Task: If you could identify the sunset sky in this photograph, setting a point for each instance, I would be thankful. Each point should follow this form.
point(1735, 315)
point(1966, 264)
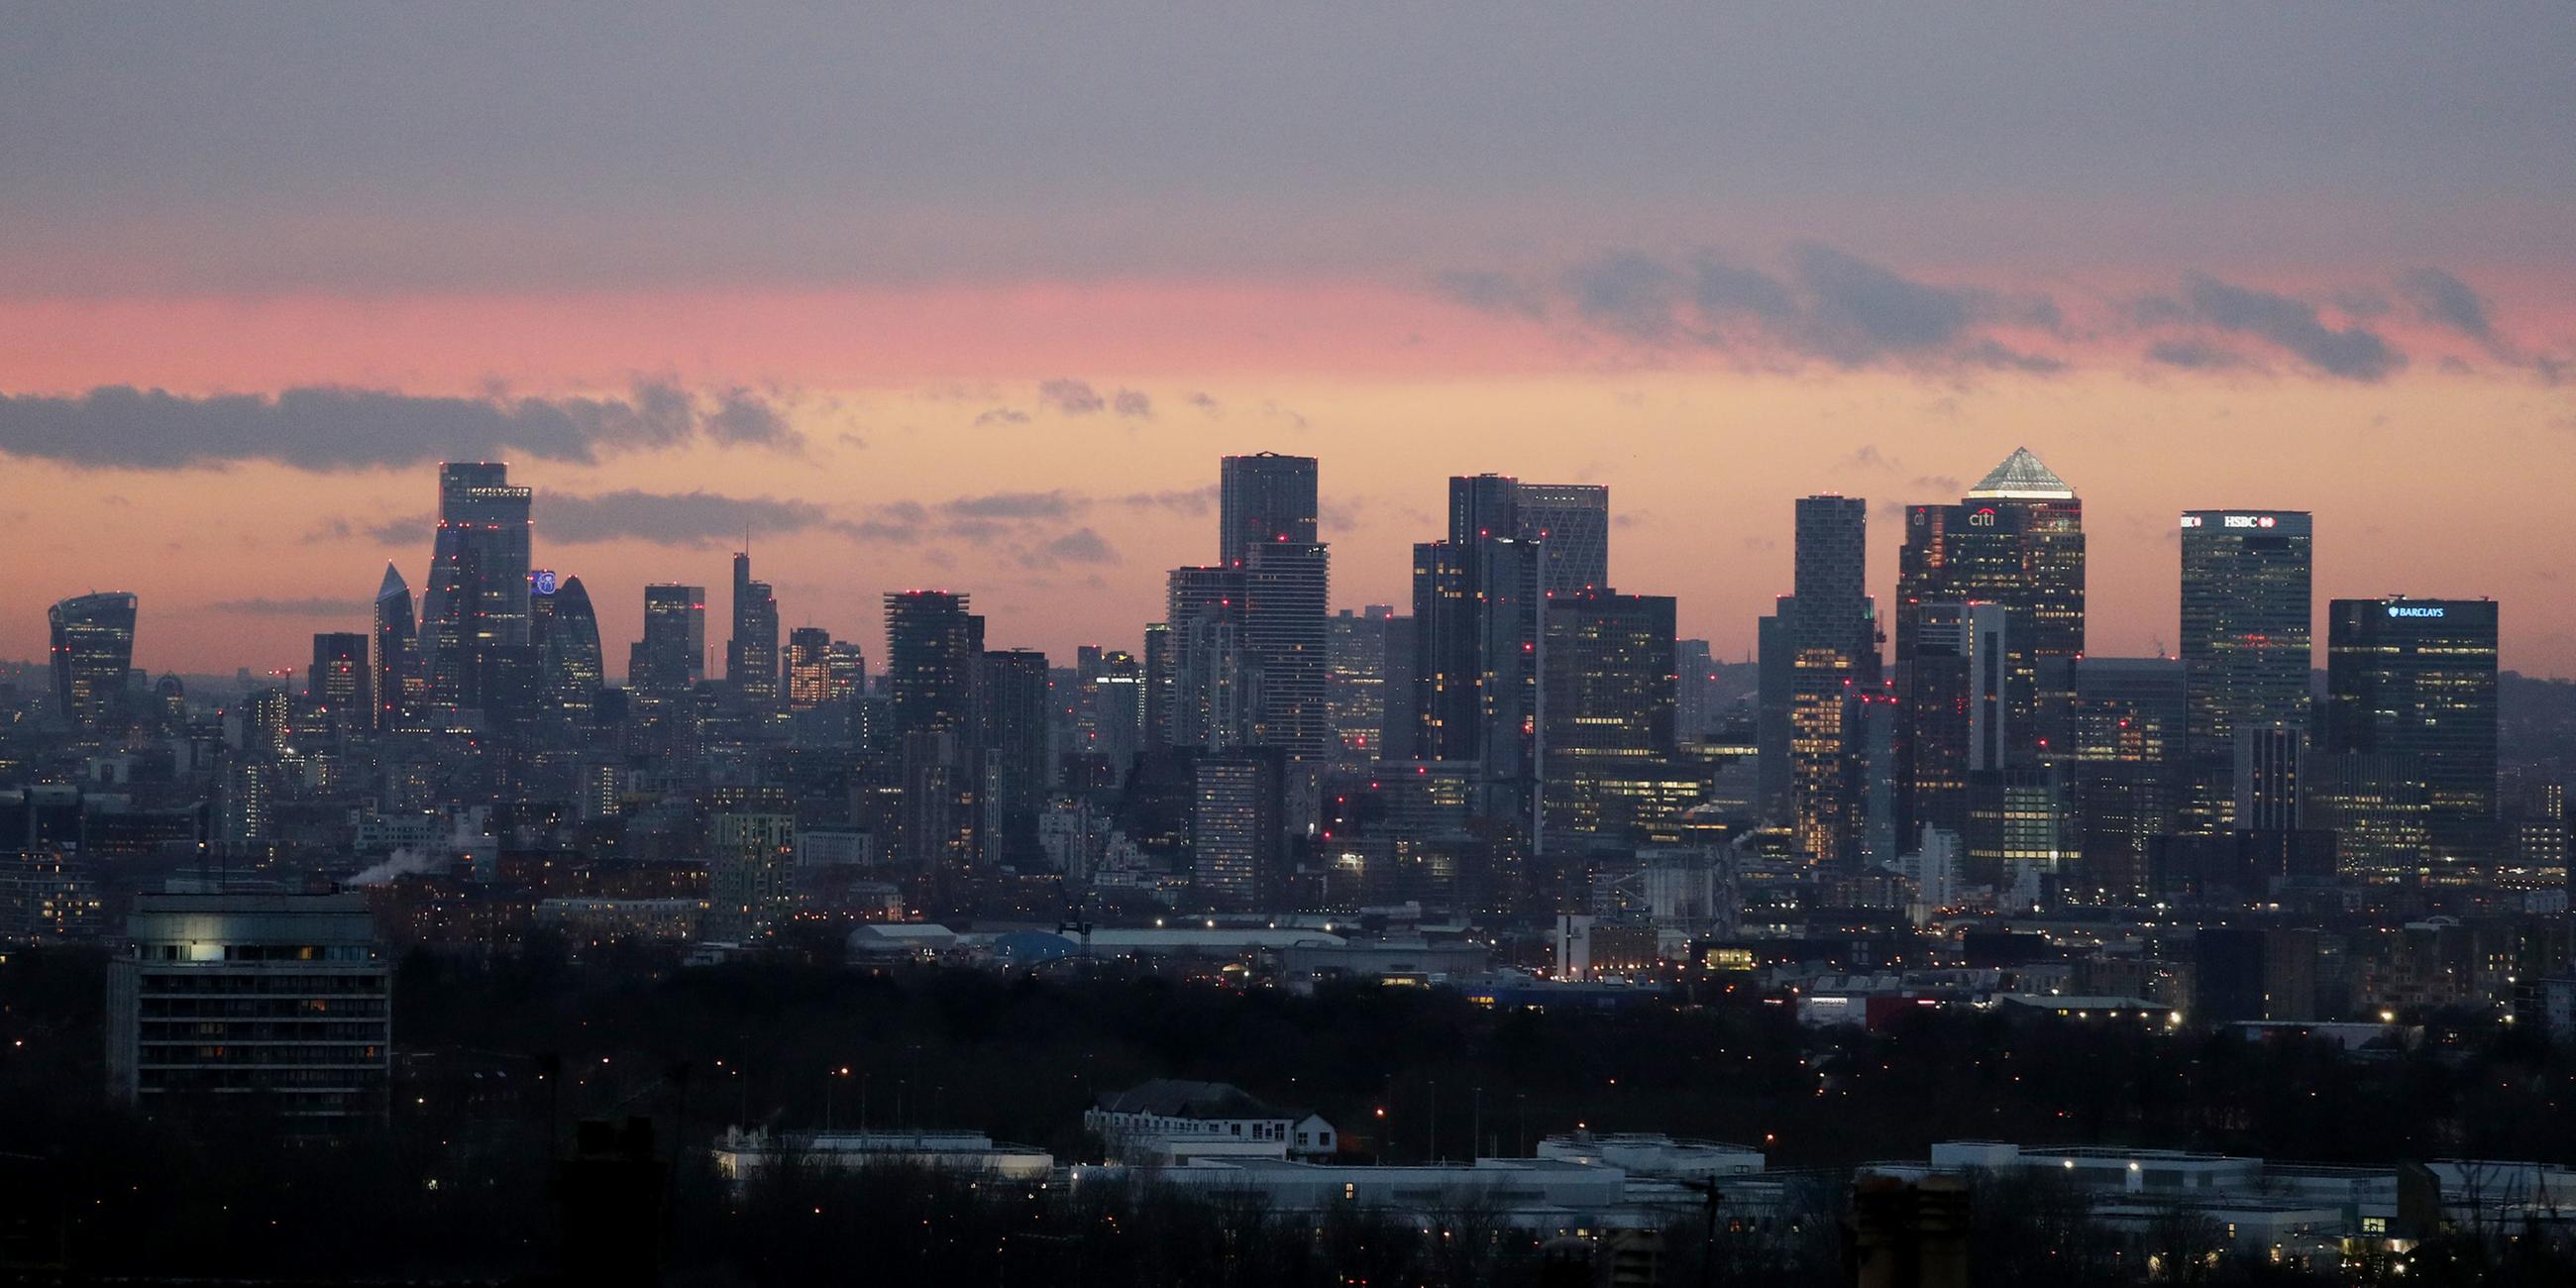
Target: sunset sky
point(944, 295)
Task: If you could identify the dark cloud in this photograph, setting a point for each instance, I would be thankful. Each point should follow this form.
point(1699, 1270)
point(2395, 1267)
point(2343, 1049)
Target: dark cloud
point(1862, 310)
point(1071, 397)
point(401, 530)
point(1725, 290)
point(1002, 416)
point(2195, 355)
point(1627, 293)
point(1830, 305)
point(1132, 404)
point(332, 428)
point(1016, 505)
point(1500, 294)
point(741, 418)
point(2445, 300)
point(1191, 501)
point(1082, 545)
point(313, 608)
point(1205, 402)
point(2353, 353)
point(689, 519)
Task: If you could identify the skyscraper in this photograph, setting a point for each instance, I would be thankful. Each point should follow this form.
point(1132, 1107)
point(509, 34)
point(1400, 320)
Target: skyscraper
point(1211, 706)
point(337, 681)
point(1355, 684)
point(400, 685)
point(1953, 716)
point(1833, 664)
point(2016, 540)
point(571, 667)
point(2246, 651)
point(933, 649)
point(808, 673)
point(672, 656)
point(1609, 705)
point(93, 653)
point(1012, 695)
point(1477, 649)
point(1286, 588)
point(478, 583)
point(1775, 694)
point(751, 654)
point(1572, 523)
point(2417, 677)
point(1264, 498)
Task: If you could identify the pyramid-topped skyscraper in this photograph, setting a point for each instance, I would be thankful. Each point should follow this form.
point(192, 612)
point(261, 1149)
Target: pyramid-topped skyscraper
point(2016, 540)
point(2021, 478)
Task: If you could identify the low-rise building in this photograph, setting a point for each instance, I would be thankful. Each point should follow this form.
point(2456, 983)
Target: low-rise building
point(285, 1000)
point(1169, 1120)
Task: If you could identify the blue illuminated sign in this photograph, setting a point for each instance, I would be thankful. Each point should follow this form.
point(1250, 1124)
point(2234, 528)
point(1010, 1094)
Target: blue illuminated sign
point(2413, 610)
point(543, 581)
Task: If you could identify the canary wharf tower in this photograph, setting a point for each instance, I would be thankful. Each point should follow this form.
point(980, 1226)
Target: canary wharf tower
point(2016, 539)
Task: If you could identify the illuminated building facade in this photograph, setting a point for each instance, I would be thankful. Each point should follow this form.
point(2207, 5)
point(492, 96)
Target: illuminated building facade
point(2246, 643)
point(93, 657)
point(1571, 523)
point(2417, 677)
point(2017, 540)
point(1609, 704)
point(279, 1002)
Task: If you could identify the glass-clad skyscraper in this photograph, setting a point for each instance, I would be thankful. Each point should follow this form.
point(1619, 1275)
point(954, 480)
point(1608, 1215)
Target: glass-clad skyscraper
point(93, 651)
point(2246, 642)
point(2416, 678)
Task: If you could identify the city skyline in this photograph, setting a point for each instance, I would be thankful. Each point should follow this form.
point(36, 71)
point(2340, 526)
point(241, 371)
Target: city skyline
point(912, 323)
point(617, 622)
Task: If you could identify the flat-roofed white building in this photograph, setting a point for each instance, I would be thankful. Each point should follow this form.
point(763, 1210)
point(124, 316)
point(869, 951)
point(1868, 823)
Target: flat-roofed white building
point(285, 999)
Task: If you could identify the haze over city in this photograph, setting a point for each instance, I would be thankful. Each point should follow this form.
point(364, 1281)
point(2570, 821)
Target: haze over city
point(1441, 645)
point(941, 299)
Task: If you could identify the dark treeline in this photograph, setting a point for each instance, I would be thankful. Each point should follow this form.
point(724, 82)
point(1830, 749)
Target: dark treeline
point(498, 1060)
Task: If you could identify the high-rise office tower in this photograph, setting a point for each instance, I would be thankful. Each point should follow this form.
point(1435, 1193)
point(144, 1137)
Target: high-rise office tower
point(808, 675)
point(93, 652)
point(2246, 610)
point(337, 681)
point(1477, 649)
point(2417, 677)
point(933, 650)
point(478, 583)
point(2268, 761)
point(1775, 694)
point(1833, 664)
point(1694, 690)
point(934, 665)
point(400, 685)
point(751, 654)
point(1609, 705)
point(1355, 683)
point(1262, 499)
point(1159, 682)
point(2016, 540)
point(1401, 728)
point(1954, 719)
point(2125, 729)
point(1118, 711)
point(672, 656)
point(1572, 523)
point(1235, 825)
point(571, 667)
point(1285, 592)
point(1211, 707)
point(1012, 695)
